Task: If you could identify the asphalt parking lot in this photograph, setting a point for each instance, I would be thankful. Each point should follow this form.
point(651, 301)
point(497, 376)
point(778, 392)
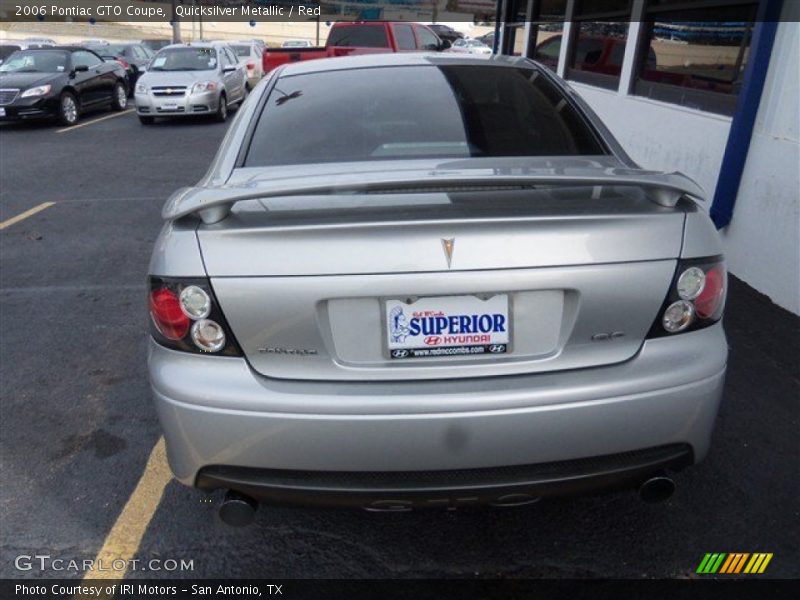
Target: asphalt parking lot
point(80, 476)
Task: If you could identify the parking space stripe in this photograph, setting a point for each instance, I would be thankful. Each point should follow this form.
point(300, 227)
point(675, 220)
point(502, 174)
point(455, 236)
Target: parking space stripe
point(122, 542)
point(28, 213)
point(92, 122)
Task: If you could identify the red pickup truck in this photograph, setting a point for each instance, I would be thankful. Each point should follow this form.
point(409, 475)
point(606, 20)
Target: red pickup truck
point(345, 39)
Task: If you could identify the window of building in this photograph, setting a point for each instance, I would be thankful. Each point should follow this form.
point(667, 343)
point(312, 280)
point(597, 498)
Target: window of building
point(695, 56)
point(598, 43)
point(547, 27)
point(514, 28)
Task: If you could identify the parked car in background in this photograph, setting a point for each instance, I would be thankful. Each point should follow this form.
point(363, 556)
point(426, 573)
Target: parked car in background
point(154, 45)
point(132, 56)
point(61, 82)
point(430, 280)
point(445, 32)
point(296, 44)
point(487, 38)
point(191, 79)
point(8, 47)
point(250, 54)
point(39, 42)
point(377, 37)
point(462, 46)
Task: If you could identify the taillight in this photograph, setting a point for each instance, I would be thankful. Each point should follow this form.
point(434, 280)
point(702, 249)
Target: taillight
point(710, 301)
point(165, 308)
point(250, 66)
point(124, 63)
point(696, 297)
point(186, 316)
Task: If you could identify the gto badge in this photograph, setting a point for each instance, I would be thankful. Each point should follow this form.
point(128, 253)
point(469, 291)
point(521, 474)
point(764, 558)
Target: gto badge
point(289, 351)
point(448, 245)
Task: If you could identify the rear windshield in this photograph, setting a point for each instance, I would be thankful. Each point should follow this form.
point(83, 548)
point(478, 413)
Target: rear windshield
point(115, 49)
point(359, 36)
point(241, 51)
point(456, 111)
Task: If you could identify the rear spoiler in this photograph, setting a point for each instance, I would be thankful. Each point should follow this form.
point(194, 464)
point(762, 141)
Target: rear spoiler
point(213, 204)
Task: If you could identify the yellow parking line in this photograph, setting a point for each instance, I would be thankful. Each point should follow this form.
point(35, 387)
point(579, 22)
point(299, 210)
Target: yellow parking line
point(122, 542)
point(28, 213)
point(92, 122)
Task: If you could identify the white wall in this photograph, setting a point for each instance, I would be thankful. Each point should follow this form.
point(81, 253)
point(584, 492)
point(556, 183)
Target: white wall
point(762, 243)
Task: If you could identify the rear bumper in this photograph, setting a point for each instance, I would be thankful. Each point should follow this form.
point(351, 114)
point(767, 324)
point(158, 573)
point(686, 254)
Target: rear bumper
point(406, 490)
point(227, 426)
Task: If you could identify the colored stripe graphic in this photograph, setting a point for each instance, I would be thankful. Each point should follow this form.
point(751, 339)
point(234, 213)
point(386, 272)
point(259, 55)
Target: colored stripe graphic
point(711, 563)
point(731, 564)
point(727, 564)
point(703, 564)
point(740, 562)
point(765, 563)
point(734, 563)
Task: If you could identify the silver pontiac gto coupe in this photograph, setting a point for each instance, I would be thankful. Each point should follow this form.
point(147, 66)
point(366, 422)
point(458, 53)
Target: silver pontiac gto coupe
point(426, 280)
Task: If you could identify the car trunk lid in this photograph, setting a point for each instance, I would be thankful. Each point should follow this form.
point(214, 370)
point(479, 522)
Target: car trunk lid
point(308, 283)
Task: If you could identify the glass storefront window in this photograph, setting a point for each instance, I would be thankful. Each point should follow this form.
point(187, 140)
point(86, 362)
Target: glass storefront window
point(597, 52)
point(546, 32)
point(693, 60)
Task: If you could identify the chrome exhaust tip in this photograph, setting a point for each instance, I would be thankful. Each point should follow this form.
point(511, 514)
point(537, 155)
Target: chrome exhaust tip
point(237, 510)
point(657, 489)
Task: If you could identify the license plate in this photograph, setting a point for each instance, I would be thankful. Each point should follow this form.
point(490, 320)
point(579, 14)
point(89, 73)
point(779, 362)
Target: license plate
point(169, 106)
point(2, 112)
point(448, 326)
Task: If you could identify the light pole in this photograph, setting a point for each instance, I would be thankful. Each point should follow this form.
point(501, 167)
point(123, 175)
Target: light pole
point(176, 26)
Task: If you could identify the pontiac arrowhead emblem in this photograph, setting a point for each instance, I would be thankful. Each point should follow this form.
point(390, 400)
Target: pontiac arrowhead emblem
point(448, 249)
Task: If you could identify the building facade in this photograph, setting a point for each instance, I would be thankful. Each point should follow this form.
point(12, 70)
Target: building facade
point(706, 87)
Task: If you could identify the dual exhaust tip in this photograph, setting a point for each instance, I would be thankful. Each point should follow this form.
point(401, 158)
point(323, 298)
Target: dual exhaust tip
point(239, 510)
point(657, 489)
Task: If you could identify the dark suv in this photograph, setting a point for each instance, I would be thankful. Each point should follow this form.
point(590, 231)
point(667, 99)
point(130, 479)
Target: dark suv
point(446, 33)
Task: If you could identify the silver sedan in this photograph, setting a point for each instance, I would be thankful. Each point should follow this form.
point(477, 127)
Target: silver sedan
point(432, 281)
point(190, 80)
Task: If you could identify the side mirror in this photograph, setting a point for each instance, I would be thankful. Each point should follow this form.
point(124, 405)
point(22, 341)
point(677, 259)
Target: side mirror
point(80, 69)
point(228, 69)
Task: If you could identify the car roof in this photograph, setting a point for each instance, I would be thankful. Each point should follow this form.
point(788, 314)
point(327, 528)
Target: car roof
point(404, 59)
point(197, 45)
point(57, 48)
